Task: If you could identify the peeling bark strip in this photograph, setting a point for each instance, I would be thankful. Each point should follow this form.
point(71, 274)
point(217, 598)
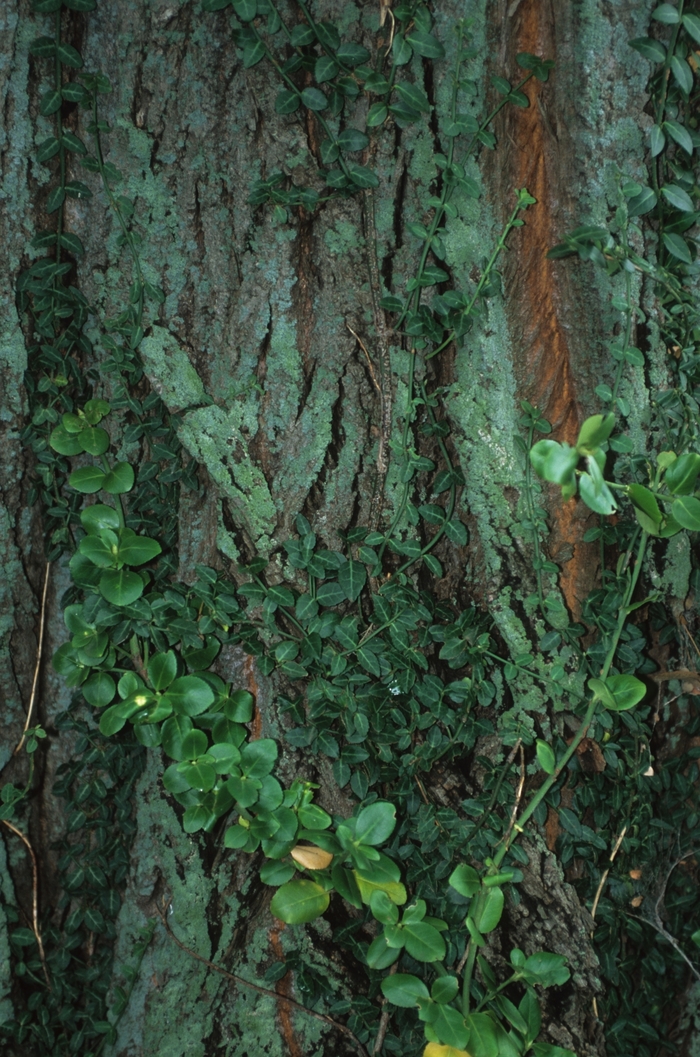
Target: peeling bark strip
point(284, 986)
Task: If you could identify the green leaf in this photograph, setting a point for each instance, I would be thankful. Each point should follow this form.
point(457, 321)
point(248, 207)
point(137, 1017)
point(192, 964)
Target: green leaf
point(94, 440)
point(596, 495)
point(553, 461)
point(657, 140)
point(642, 203)
point(330, 594)
point(380, 955)
point(68, 55)
point(465, 880)
point(666, 13)
point(136, 550)
point(546, 757)
point(691, 23)
point(258, 758)
point(98, 517)
point(113, 719)
point(299, 901)
point(120, 479)
point(594, 432)
point(43, 47)
point(651, 49)
point(414, 96)
point(162, 669)
point(627, 691)
point(48, 148)
point(369, 661)
point(352, 577)
point(682, 73)
point(190, 695)
point(483, 1039)
point(121, 587)
point(492, 909)
point(682, 474)
point(425, 44)
point(352, 54)
point(287, 101)
point(362, 176)
point(423, 941)
point(99, 689)
point(677, 247)
point(546, 969)
point(245, 9)
point(646, 506)
point(225, 756)
point(377, 115)
point(87, 479)
point(276, 873)
point(444, 989)
point(65, 443)
point(403, 989)
point(50, 102)
point(252, 53)
point(352, 139)
point(451, 1028)
point(677, 197)
point(375, 823)
point(680, 134)
point(314, 99)
point(239, 706)
point(174, 732)
point(686, 511)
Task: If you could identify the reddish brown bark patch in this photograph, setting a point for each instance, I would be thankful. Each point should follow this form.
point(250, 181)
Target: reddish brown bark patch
point(284, 987)
point(536, 303)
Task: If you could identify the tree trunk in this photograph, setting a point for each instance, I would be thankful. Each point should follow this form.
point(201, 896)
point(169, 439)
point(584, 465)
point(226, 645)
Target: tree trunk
point(258, 352)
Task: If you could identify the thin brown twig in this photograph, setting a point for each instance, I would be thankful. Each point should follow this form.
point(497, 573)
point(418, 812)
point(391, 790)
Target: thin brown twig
point(262, 990)
point(35, 897)
point(362, 345)
point(35, 681)
point(384, 1019)
point(518, 797)
point(599, 892)
point(601, 883)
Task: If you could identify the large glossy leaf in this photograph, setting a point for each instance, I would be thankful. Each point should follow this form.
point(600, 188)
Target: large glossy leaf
point(404, 989)
point(189, 695)
point(686, 511)
point(465, 880)
point(681, 475)
point(162, 669)
point(423, 941)
point(99, 516)
point(121, 587)
point(299, 901)
point(258, 758)
point(375, 823)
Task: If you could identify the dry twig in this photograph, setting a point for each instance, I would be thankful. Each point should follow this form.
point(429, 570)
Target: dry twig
point(37, 666)
point(35, 896)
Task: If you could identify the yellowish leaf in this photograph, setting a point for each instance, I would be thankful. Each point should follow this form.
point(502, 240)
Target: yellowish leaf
point(311, 857)
point(434, 1049)
point(394, 889)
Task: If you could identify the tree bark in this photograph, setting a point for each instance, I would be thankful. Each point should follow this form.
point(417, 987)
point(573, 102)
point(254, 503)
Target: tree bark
point(253, 353)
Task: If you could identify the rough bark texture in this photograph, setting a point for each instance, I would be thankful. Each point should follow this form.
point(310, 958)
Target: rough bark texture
point(249, 302)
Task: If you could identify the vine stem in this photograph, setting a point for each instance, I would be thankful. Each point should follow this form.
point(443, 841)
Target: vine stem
point(35, 896)
point(37, 665)
point(518, 827)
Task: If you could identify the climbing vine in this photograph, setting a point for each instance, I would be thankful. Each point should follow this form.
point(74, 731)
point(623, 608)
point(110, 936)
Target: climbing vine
point(380, 674)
